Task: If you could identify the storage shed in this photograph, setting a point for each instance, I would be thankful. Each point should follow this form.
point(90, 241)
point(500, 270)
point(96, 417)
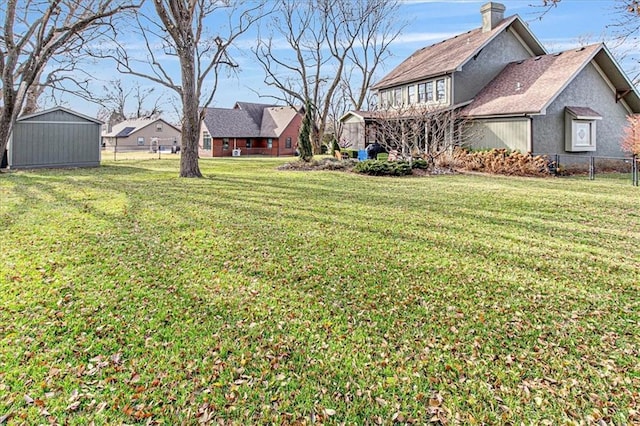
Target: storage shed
point(57, 137)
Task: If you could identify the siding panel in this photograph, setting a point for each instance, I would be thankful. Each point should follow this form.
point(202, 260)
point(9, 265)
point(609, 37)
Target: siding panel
point(512, 134)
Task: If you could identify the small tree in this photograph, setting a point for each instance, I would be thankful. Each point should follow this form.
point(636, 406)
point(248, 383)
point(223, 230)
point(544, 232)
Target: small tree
point(631, 140)
point(416, 131)
point(304, 144)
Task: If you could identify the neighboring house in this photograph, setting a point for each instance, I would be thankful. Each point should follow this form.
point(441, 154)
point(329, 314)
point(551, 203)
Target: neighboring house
point(250, 129)
point(516, 95)
point(141, 135)
point(57, 137)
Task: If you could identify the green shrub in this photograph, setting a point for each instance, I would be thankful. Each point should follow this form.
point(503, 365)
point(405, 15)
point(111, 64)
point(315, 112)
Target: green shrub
point(420, 163)
point(383, 168)
point(383, 157)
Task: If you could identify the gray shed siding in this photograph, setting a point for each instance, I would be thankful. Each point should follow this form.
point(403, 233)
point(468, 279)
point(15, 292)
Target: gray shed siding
point(510, 133)
point(353, 132)
point(491, 60)
point(56, 139)
point(588, 89)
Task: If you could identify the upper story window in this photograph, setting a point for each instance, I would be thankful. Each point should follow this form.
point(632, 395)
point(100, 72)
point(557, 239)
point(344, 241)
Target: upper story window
point(412, 94)
point(440, 90)
point(159, 126)
point(422, 93)
point(397, 97)
point(430, 97)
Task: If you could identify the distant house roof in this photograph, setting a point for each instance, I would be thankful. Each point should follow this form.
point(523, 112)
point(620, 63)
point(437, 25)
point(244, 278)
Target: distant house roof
point(451, 54)
point(248, 120)
point(529, 86)
point(128, 127)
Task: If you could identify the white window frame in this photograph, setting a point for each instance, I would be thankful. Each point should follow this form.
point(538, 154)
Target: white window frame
point(580, 133)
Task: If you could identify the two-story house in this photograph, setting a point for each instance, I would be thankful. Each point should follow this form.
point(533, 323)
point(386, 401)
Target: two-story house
point(515, 94)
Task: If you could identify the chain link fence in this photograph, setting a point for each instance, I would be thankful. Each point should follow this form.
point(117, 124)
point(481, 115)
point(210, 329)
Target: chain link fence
point(141, 152)
point(591, 166)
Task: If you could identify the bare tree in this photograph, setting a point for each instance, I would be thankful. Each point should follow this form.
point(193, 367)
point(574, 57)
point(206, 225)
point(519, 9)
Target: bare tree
point(178, 29)
point(328, 42)
point(117, 95)
point(417, 131)
point(34, 32)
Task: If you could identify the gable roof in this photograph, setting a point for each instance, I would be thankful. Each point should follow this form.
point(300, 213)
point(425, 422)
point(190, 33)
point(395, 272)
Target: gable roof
point(451, 54)
point(254, 110)
point(58, 108)
point(230, 123)
point(248, 120)
point(275, 120)
point(128, 127)
point(530, 86)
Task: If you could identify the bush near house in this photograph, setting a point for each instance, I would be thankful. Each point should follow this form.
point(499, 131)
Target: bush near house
point(501, 161)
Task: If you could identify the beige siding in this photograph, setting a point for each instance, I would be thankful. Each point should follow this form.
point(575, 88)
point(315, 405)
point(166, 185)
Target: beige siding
point(512, 134)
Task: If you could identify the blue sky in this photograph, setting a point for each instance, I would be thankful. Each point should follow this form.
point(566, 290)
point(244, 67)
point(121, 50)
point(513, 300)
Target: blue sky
point(570, 24)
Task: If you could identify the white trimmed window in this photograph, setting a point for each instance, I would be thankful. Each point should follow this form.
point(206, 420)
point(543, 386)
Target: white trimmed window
point(580, 129)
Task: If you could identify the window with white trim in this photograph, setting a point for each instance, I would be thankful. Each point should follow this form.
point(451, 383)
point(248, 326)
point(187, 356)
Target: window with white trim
point(580, 129)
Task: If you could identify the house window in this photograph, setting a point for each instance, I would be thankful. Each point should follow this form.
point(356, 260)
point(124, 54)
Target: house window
point(580, 129)
point(159, 126)
point(412, 94)
point(206, 140)
point(287, 143)
point(225, 143)
point(249, 142)
point(269, 143)
point(440, 90)
point(430, 91)
point(397, 97)
point(422, 93)
point(141, 141)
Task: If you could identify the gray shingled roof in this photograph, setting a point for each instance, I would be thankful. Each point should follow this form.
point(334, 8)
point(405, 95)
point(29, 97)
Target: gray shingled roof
point(248, 120)
point(451, 54)
point(529, 86)
point(230, 123)
point(254, 110)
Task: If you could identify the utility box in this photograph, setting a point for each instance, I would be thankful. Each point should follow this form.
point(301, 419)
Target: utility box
point(236, 152)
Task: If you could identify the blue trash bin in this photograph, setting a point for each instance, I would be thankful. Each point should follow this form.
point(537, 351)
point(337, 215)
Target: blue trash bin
point(362, 154)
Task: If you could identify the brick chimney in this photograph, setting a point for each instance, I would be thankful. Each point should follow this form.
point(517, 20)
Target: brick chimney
point(492, 13)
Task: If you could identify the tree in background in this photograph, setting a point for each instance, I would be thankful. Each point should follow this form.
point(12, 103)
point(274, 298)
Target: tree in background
point(631, 140)
point(36, 32)
point(177, 29)
point(306, 130)
point(335, 47)
point(118, 95)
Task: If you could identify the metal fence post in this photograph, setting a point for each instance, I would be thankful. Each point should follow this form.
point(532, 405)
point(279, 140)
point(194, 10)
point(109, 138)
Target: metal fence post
point(634, 169)
point(592, 168)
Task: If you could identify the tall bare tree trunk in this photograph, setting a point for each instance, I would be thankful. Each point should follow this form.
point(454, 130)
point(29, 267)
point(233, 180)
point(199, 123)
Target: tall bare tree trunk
point(191, 119)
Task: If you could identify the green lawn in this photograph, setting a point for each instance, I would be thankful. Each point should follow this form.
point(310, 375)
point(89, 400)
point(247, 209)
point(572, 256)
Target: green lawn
point(257, 296)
